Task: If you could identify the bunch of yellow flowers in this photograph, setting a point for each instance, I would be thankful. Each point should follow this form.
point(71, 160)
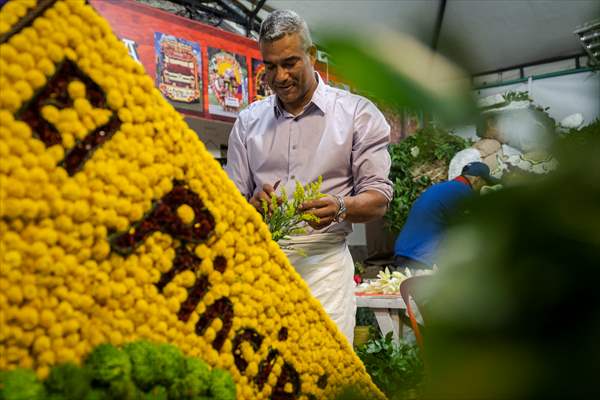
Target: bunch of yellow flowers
point(116, 224)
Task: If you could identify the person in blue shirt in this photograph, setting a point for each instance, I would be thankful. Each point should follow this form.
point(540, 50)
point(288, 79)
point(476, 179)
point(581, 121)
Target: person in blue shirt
point(417, 244)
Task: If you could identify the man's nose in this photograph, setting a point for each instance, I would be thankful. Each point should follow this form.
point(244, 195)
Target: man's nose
point(281, 74)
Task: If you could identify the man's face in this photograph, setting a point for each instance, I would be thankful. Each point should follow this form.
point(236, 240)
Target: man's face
point(289, 68)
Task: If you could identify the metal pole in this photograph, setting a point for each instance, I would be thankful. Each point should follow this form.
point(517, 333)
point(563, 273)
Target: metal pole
point(438, 24)
point(252, 16)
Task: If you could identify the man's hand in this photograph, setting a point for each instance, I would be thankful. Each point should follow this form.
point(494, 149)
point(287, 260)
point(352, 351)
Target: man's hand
point(264, 195)
point(324, 208)
point(361, 208)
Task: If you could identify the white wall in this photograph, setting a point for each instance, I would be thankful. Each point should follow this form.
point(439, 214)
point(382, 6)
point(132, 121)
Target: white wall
point(565, 95)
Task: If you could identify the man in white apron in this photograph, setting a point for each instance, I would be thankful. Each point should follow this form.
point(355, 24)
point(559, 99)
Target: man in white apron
point(324, 262)
point(305, 131)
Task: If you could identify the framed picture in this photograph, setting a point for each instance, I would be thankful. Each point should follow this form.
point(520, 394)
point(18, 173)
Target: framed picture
point(178, 71)
point(261, 87)
point(227, 83)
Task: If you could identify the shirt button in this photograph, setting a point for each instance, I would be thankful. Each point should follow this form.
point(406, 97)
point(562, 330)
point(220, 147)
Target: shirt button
point(294, 147)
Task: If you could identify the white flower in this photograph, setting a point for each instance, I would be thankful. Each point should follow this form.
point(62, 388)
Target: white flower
point(572, 121)
point(387, 283)
point(524, 165)
point(538, 169)
point(414, 151)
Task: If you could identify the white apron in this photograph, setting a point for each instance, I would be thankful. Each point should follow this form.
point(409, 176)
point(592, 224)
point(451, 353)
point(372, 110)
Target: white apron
point(323, 260)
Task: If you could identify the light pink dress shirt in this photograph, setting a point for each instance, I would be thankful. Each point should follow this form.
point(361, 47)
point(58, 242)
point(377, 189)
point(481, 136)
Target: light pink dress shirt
point(340, 136)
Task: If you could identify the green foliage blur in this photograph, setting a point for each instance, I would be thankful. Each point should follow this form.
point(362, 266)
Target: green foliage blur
point(430, 144)
point(514, 312)
point(397, 70)
point(397, 369)
point(571, 143)
point(140, 371)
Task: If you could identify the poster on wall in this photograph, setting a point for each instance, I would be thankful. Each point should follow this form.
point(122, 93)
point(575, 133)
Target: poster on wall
point(178, 71)
point(261, 88)
point(227, 83)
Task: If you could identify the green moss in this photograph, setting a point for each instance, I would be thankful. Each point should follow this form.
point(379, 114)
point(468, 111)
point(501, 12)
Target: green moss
point(20, 384)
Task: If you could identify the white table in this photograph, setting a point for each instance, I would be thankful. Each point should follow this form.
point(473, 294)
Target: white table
point(387, 310)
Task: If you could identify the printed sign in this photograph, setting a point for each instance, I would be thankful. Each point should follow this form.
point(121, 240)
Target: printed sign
point(178, 66)
point(131, 48)
point(227, 83)
point(261, 87)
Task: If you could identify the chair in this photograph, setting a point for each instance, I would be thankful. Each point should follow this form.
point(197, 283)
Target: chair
point(412, 287)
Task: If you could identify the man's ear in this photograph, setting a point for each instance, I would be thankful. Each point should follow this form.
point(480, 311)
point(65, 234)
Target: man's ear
point(312, 53)
point(481, 182)
point(473, 180)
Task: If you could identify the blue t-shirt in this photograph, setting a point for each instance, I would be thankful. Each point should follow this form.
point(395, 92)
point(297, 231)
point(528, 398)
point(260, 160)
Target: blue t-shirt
point(427, 220)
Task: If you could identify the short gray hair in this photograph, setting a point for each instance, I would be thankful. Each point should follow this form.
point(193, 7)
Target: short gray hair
point(284, 22)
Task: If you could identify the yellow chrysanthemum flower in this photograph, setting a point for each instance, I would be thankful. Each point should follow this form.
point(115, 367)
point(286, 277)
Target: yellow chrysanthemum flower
point(117, 224)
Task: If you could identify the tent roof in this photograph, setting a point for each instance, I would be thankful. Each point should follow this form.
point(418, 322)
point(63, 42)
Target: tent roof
point(494, 34)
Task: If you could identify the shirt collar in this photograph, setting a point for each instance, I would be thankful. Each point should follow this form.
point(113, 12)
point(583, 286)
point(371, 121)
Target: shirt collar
point(318, 99)
point(464, 180)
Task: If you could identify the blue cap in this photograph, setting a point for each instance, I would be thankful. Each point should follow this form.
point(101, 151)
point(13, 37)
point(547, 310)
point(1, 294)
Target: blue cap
point(480, 169)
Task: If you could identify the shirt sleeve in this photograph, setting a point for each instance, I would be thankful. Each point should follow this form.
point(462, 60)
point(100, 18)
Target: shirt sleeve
point(370, 158)
point(238, 167)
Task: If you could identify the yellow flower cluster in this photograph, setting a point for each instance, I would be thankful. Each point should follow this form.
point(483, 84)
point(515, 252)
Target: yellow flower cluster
point(12, 12)
point(116, 224)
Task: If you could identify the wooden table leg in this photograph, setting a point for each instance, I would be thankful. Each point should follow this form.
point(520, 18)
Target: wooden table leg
point(395, 315)
point(388, 323)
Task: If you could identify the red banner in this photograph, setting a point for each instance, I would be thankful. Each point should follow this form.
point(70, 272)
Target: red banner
point(137, 24)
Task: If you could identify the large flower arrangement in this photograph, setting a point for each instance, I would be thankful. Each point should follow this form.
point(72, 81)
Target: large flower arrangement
point(116, 224)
